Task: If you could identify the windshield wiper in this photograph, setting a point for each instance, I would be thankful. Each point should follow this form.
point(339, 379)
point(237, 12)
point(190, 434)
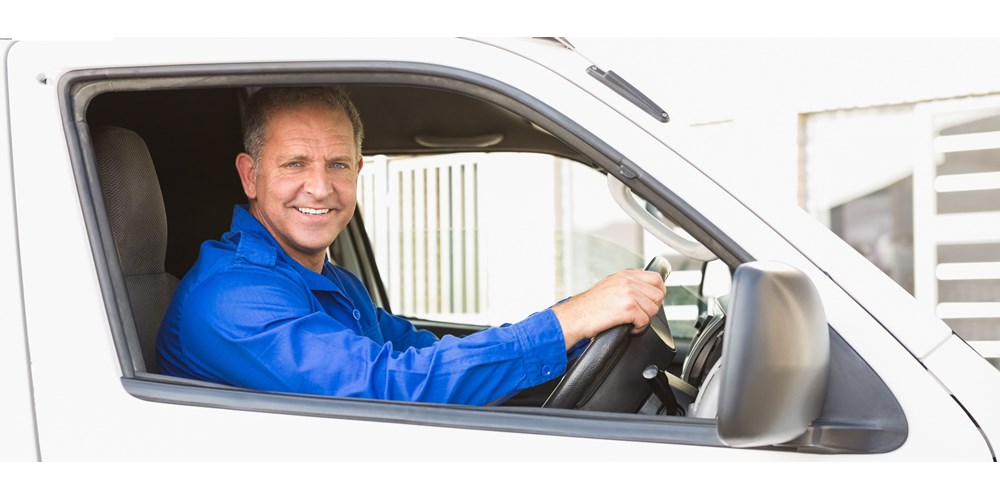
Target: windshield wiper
point(615, 82)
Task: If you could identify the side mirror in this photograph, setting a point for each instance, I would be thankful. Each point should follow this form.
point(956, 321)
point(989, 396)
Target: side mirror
point(775, 356)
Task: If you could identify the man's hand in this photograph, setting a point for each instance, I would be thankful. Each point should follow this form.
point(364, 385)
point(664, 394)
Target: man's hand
point(627, 297)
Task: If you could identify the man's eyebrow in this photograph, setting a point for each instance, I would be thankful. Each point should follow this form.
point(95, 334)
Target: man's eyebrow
point(347, 160)
point(305, 157)
point(292, 157)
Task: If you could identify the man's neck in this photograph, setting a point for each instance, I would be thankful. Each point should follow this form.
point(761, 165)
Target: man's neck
point(309, 261)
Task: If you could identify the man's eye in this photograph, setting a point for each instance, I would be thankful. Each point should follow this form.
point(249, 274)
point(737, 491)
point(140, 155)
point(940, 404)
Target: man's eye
point(338, 166)
point(294, 164)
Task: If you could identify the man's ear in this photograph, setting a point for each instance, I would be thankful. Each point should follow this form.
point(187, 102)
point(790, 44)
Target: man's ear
point(361, 163)
point(244, 165)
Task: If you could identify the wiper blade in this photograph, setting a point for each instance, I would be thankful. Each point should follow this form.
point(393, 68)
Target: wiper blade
point(625, 89)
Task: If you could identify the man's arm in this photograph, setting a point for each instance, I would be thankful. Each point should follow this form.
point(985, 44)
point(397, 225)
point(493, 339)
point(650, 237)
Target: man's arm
point(257, 331)
point(628, 297)
point(402, 333)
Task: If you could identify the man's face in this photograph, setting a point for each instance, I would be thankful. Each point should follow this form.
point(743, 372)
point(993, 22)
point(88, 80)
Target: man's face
point(305, 190)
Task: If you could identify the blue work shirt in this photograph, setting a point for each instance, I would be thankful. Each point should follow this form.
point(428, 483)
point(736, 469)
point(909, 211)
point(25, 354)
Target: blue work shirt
point(249, 315)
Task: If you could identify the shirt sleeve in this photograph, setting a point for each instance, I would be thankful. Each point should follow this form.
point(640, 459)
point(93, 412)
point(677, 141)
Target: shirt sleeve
point(254, 328)
point(402, 333)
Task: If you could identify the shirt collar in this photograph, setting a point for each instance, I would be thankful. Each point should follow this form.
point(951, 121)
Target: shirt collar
point(244, 222)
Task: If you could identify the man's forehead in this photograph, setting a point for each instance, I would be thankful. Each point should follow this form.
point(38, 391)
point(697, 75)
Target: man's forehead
point(286, 116)
point(300, 147)
point(336, 113)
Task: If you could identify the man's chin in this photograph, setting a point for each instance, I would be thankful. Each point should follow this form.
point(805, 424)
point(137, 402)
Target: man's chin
point(311, 247)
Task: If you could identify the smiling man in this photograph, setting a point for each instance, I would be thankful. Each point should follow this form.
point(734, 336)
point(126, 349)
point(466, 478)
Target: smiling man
point(263, 308)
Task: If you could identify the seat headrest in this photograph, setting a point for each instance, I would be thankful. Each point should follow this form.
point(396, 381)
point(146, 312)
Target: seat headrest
point(132, 199)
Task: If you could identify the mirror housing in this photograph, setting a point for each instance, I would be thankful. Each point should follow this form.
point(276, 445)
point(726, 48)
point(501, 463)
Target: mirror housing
point(775, 356)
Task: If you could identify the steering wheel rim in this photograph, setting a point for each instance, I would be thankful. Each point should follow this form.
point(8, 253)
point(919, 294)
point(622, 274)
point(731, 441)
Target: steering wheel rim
point(584, 371)
point(599, 356)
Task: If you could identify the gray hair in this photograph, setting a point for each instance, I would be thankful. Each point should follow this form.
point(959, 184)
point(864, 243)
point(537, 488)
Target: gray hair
point(267, 100)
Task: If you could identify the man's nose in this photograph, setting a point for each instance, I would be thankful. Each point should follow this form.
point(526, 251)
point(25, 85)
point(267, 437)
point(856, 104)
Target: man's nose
point(319, 182)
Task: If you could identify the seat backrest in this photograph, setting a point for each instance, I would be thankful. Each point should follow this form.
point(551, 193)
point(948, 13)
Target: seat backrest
point(134, 205)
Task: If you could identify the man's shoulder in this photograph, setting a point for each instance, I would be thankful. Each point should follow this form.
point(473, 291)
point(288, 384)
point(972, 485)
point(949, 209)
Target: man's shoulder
point(254, 250)
point(239, 259)
point(230, 284)
point(237, 248)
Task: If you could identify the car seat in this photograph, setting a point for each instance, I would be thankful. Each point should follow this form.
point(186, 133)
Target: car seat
point(138, 220)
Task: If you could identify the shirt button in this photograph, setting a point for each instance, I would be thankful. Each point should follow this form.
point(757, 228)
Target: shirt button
point(357, 314)
point(546, 370)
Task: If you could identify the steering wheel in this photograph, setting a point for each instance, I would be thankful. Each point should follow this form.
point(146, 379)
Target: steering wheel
point(608, 374)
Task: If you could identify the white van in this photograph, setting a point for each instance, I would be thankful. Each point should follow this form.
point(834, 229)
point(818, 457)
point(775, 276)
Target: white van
point(777, 340)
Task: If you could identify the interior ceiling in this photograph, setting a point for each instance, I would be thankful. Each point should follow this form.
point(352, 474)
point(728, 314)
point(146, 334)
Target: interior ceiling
point(394, 116)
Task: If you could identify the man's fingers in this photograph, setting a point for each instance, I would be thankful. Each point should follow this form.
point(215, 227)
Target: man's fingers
point(628, 297)
point(638, 296)
point(647, 307)
point(651, 285)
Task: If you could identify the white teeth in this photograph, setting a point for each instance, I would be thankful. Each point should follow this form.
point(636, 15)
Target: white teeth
point(313, 211)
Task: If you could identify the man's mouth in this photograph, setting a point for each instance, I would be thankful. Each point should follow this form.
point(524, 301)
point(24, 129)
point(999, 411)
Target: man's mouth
point(312, 211)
